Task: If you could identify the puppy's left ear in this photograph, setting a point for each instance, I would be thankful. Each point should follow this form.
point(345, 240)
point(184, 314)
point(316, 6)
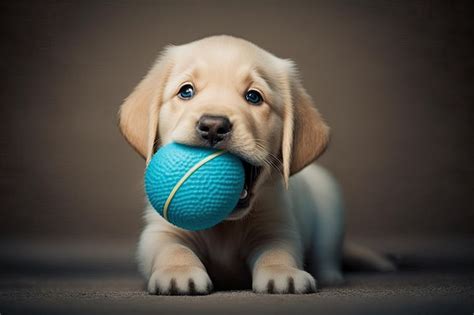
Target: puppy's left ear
point(138, 115)
point(305, 134)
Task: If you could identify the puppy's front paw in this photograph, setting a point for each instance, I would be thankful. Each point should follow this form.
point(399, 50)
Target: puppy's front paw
point(180, 280)
point(283, 279)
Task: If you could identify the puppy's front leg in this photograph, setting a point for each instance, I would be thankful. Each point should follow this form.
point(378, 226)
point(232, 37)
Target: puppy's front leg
point(171, 266)
point(275, 270)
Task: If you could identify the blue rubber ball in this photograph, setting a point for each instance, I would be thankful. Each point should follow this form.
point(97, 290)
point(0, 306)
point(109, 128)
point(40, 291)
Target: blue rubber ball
point(194, 188)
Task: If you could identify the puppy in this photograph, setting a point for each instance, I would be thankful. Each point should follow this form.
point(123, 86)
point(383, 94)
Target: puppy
point(287, 229)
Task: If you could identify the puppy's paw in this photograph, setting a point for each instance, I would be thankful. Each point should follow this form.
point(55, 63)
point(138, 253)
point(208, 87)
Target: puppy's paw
point(283, 280)
point(180, 280)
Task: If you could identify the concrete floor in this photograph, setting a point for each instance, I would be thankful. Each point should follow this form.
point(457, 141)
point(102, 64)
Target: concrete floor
point(72, 277)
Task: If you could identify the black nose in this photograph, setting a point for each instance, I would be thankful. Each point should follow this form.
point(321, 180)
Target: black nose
point(213, 129)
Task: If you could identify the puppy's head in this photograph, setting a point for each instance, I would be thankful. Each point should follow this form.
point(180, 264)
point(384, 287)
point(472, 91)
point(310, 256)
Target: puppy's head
point(227, 93)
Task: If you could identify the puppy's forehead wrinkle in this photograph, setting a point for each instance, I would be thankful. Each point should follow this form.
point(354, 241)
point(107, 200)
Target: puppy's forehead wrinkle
point(254, 78)
point(197, 65)
point(189, 72)
point(268, 78)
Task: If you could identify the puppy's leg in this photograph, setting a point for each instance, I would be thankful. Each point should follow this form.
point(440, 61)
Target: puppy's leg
point(327, 247)
point(171, 266)
point(322, 203)
point(327, 240)
point(275, 270)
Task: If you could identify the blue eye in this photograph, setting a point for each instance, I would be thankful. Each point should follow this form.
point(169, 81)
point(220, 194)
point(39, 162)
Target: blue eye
point(186, 92)
point(254, 97)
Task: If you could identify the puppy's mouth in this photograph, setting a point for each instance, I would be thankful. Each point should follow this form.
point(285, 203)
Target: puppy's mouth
point(252, 174)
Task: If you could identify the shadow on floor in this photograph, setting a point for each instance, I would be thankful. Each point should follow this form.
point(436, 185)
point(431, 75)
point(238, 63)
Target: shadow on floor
point(435, 277)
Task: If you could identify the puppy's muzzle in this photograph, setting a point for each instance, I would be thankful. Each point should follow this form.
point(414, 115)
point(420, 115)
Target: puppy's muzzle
point(213, 129)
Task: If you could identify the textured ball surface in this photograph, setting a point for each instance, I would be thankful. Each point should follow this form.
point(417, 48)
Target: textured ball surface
point(206, 197)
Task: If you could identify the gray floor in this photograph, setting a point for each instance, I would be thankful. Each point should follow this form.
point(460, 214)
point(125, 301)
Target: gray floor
point(435, 277)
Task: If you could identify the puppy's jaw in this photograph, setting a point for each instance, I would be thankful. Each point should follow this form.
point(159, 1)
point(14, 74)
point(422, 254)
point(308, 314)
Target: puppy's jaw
point(240, 212)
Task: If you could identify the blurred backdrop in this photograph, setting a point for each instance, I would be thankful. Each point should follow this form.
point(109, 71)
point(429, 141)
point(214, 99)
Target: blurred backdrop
point(394, 79)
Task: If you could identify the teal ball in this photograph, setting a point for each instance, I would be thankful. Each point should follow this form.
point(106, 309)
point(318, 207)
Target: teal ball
point(204, 184)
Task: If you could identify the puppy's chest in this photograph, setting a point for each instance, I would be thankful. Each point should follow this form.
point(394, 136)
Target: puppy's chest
point(226, 263)
point(224, 251)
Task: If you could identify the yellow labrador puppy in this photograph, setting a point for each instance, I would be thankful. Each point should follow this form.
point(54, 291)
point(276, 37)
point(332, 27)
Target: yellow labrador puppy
point(227, 93)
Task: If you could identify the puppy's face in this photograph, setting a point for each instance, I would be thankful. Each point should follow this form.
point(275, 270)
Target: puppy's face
point(226, 93)
point(222, 96)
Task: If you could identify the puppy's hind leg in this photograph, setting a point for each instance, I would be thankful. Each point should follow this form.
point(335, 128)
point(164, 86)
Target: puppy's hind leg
point(327, 227)
point(327, 246)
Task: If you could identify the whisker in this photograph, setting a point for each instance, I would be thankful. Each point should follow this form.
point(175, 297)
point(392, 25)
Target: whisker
point(268, 159)
point(271, 160)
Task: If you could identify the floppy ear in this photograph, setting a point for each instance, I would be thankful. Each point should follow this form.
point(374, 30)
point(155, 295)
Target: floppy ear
point(138, 115)
point(305, 134)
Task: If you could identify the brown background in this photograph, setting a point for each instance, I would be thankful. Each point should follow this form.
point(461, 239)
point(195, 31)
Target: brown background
point(394, 79)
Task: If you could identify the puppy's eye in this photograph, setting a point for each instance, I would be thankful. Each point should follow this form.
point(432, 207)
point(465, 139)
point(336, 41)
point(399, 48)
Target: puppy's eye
point(253, 97)
point(186, 92)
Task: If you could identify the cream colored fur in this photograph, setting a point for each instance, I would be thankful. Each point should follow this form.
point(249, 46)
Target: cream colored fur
point(293, 229)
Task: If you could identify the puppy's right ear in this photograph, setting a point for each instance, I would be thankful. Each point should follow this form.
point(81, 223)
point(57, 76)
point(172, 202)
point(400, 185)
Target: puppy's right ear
point(138, 115)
